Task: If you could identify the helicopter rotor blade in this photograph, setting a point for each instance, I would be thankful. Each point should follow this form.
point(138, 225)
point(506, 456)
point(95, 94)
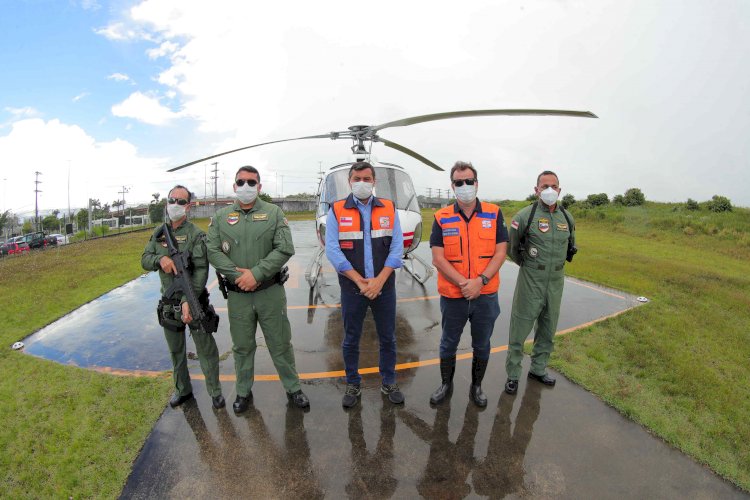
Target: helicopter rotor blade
point(482, 112)
point(405, 150)
point(332, 135)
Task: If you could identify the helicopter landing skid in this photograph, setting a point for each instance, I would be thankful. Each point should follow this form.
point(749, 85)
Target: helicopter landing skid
point(313, 268)
point(408, 261)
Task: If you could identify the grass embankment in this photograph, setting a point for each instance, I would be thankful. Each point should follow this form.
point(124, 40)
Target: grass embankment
point(679, 365)
point(68, 432)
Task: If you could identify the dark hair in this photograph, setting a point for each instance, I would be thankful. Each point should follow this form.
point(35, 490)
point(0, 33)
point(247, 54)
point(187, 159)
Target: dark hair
point(180, 186)
point(463, 165)
point(547, 172)
point(249, 169)
point(361, 165)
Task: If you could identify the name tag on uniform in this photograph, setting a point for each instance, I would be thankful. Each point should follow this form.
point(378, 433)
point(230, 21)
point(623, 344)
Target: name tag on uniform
point(260, 217)
point(345, 221)
point(181, 239)
point(450, 231)
point(346, 245)
point(562, 227)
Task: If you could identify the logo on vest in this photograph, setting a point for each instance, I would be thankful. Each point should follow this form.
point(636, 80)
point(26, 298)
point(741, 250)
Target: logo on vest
point(346, 221)
point(486, 224)
point(346, 245)
point(385, 222)
point(450, 231)
point(543, 225)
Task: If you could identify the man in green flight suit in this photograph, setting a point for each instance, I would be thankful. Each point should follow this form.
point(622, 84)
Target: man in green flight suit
point(248, 243)
point(540, 237)
point(174, 312)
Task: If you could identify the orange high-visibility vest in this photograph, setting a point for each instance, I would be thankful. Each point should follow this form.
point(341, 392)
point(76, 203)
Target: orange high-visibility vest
point(468, 246)
point(352, 236)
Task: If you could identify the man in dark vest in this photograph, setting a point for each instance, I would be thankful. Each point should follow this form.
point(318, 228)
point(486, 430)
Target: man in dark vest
point(365, 244)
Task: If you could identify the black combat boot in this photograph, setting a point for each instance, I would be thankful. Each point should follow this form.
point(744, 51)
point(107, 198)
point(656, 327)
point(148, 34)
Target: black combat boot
point(447, 370)
point(478, 367)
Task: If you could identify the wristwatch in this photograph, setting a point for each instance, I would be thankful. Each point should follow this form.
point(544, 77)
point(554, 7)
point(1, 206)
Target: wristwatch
point(484, 278)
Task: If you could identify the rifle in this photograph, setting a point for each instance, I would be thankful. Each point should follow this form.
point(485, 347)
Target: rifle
point(207, 319)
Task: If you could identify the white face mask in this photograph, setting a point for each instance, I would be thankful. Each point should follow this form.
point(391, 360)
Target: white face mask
point(247, 193)
point(466, 193)
point(362, 190)
point(176, 212)
point(549, 196)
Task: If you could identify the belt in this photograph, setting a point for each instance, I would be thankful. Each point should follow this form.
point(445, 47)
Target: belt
point(542, 267)
point(262, 286)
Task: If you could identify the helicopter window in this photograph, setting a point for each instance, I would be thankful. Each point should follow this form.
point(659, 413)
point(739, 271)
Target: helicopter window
point(390, 183)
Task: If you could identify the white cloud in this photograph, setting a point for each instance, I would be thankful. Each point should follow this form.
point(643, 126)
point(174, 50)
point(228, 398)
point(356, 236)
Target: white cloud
point(24, 112)
point(90, 5)
point(80, 96)
point(164, 49)
point(122, 31)
point(145, 109)
point(254, 71)
point(97, 169)
point(119, 77)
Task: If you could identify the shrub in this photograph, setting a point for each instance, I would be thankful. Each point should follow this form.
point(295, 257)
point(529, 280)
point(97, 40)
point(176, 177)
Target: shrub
point(634, 197)
point(719, 204)
point(568, 201)
point(691, 204)
point(531, 197)
point(618, 199)
point(598, 200)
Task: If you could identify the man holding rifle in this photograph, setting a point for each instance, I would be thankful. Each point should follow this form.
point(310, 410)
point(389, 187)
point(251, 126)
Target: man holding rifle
point(177, 250)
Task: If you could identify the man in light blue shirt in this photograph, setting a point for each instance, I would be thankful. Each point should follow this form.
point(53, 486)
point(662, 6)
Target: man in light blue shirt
point(365, 244)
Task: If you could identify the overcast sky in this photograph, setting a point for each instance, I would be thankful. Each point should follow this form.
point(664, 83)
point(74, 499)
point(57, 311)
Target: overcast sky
point(114, 94)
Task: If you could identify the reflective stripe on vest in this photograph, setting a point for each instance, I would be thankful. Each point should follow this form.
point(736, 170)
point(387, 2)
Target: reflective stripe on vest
point(468, 247)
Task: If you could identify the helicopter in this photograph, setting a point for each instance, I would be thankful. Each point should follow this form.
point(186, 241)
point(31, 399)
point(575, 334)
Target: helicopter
point(393, 182)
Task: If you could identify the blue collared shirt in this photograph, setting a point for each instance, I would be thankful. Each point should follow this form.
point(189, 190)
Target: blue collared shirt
point(337, 257)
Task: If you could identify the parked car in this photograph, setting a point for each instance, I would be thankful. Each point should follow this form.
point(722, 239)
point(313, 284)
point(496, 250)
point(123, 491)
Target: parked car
point(18, 248)
point(35, 239)
point(61, 238)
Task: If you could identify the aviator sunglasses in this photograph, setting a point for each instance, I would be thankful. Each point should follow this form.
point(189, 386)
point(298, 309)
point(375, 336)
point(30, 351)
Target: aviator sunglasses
point(250, 182)
point(179, 201)
point(460, 182)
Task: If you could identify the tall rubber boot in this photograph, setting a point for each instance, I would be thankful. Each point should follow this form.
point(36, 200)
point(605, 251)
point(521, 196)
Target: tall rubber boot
point(478, 367)
point(447, 370)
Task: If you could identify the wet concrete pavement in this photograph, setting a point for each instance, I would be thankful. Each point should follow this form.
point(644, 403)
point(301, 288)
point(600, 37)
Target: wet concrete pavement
point(561, 442)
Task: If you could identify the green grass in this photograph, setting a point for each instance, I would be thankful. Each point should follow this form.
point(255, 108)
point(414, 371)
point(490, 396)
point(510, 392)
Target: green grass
point(679, 365)
point(68, 432)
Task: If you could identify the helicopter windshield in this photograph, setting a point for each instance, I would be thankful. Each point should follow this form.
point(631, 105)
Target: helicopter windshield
point(391, 183)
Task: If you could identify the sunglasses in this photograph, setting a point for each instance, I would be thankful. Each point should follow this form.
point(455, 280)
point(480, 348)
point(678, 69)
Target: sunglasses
point(250, 182)
point(460, 182)
point(179, 201)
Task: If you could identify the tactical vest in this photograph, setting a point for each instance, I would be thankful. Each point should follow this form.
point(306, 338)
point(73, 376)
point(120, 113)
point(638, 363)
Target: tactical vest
point(352, 236)
point(468, 246)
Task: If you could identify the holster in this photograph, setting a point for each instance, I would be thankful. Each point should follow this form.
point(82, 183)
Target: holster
point(168, 313)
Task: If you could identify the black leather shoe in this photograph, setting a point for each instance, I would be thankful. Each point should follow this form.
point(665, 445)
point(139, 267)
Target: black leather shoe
point(218, 401)
point(176, 400)
point(477, 395)
point(545, 379)
point(298, 399)
point(511, 386)
point(351, 396)
point(242, 403)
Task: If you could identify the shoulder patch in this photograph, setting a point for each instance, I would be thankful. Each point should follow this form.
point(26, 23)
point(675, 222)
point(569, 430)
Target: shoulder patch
point(514, 224)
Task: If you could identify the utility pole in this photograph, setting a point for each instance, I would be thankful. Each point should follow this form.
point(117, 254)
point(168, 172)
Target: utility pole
point(282, 186)
point(429, 192)
point(205, 181)
point(215, 178)
point(68, 218)
point(36, 200)
point(439, 192)
point(124, 190)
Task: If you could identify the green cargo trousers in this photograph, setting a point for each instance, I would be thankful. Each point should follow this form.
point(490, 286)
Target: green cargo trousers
point(208, 356)
point(536, 300)
point(266, 308)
